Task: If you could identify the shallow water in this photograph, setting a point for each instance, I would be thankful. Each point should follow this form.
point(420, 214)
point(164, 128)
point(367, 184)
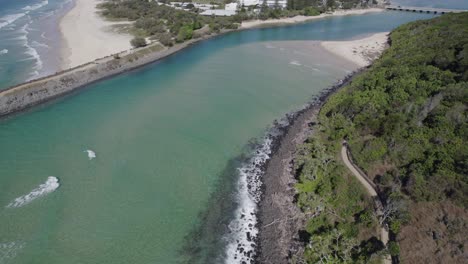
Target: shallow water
point(165, 137)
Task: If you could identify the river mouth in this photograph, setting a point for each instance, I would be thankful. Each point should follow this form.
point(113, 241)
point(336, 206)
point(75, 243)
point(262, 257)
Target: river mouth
point(166, 137)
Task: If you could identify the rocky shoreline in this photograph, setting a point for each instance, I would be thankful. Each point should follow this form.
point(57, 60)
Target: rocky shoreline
point(279, 219)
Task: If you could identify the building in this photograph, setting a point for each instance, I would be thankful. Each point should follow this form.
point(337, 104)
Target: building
point(280, 3)
point(218, 12)
point(270, 3)
point(249, 2)
point(231, 6)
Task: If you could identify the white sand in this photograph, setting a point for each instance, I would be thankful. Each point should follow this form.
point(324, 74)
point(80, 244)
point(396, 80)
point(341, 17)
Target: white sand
point(298, 19)
point(362, 51)
point(87, 36)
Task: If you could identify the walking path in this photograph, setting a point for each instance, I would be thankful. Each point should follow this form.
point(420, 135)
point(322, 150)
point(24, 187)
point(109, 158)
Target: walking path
point(370, 187)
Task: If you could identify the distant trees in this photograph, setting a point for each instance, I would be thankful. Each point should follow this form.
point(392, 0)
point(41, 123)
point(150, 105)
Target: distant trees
point(153, 20)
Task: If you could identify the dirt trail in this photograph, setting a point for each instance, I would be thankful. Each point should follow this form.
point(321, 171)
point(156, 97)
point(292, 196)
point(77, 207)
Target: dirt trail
point(370, 189)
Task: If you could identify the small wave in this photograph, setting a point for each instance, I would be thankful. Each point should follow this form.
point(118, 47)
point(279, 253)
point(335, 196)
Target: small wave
point(294, 62)
point(32, 52)
point(9, 250)
point(3, 51)
point(91, 154)
point(36, 6)
point(38, 44)
point(8, 19)
point(269, 46)
point(49, 186)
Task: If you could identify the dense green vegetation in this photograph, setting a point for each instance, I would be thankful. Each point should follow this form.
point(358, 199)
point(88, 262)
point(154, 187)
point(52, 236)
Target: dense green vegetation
point(169, 25)
point(406, 123)
point(162, 22)
point(342, 228)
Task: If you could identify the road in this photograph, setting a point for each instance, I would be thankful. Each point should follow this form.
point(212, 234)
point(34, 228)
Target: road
point(362, 178)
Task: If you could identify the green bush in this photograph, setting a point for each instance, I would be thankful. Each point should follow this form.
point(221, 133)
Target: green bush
point(310, 11)
point(185, 33)
point(393, 248)
point(138, 42)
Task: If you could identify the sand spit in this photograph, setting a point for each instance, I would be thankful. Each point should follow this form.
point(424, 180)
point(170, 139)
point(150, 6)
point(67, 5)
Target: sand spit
point(87, 36)
point(361, 51)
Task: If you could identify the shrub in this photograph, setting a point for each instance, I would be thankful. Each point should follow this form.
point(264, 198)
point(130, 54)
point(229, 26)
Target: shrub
point(310, 11)
point(393, 248)
point(185, 33)
point(138, 42)
point(166, 39)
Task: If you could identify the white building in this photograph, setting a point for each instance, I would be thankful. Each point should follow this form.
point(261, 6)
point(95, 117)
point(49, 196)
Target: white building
point(270, 3)
point(281, 3)
point(218, 12)
point(231, 6)
point(249, 2)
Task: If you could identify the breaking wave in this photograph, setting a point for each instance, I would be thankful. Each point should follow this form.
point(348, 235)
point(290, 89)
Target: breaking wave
point(3, 51)
point(295, 62)
point(36, 6)
point(243, 236)
point(243, 229)
point(8, 19)
point(49, 186)
point(9, 250)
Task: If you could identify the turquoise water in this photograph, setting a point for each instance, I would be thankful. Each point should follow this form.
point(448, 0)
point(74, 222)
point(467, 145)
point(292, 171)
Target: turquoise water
point(166, 136)
point(29, 39)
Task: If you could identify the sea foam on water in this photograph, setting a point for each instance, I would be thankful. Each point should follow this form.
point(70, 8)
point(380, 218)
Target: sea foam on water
point(49, 186)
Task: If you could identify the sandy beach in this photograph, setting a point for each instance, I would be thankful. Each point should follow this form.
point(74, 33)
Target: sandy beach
point(300, 19)
point(87, 36)
point(361, 51)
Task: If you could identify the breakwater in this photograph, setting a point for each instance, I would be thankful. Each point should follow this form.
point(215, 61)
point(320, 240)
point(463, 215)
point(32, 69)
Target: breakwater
point(25, 95)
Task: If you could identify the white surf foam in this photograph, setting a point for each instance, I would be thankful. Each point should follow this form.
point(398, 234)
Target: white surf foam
point(91, 154)
point(8, 19)
point(295, 62)
point(36, 6)
point(39, 44)
point(49, 186)
point(242, 240)
point(3, 51)
point(9, 250)
point(31, 51)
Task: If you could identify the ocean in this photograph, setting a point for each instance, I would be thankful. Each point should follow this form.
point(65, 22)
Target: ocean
point(29, 39)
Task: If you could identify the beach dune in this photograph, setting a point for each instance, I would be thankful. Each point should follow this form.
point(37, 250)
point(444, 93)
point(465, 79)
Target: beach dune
point(87, 36)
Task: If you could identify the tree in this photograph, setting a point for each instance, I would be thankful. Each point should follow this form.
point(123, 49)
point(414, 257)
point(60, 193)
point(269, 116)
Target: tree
point(166, 39)
point(185, 33)
point(138, 42)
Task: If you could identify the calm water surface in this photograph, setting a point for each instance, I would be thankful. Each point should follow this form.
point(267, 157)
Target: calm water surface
point(163, 135)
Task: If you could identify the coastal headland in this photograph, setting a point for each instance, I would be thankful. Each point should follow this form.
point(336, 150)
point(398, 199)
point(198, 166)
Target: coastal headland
point(23, 96)
point(279, 217)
